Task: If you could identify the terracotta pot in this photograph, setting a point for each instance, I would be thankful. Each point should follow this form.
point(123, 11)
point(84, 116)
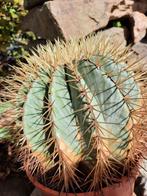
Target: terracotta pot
point(124, 188)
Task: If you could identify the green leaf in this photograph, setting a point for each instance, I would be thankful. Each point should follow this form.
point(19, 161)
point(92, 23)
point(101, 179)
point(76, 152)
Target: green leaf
point(117, 24)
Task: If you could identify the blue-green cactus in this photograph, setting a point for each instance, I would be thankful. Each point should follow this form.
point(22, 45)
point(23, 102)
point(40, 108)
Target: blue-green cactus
point(81, 104)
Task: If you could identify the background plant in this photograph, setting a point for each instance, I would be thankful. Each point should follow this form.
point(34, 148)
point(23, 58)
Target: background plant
point(13, 42)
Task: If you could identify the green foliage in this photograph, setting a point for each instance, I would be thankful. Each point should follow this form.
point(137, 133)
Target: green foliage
point(79, 103)
point(12, 40)
point(117, 24)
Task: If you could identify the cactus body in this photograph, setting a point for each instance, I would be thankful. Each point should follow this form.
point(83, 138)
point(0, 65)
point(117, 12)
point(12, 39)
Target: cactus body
point(82, 104)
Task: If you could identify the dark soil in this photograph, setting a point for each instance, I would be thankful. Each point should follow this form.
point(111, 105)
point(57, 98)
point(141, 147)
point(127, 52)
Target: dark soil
point(13, 182)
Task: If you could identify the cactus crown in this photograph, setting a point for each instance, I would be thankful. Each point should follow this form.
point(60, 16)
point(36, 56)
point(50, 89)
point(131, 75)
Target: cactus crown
point(79, 103)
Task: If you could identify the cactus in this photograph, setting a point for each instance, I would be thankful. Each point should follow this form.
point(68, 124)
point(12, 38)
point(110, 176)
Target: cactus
point(81, 106)
point(5, 110)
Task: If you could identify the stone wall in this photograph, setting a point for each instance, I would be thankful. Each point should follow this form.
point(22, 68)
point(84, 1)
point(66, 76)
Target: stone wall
point(125, 20)
point(65, 19)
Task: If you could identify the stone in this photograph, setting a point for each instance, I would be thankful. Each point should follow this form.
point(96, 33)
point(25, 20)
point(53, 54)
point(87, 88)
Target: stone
point(140, 26)
point(65, 19)
point(119, 8)
point(140, 6)
point(42, 23)
point(29, 4)
point(133, 10)
point(117, 34)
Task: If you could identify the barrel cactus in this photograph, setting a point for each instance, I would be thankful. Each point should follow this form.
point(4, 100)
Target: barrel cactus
point(79, 112)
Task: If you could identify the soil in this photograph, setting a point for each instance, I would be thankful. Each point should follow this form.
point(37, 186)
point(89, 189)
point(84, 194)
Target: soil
point(13, 182)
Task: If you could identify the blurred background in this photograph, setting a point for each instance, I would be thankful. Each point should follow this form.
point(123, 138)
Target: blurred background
point(13, 42)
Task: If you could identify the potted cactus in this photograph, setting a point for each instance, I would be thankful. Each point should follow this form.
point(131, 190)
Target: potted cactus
point(80, 117)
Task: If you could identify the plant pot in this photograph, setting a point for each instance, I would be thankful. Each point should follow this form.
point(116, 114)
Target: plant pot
point(124, 188)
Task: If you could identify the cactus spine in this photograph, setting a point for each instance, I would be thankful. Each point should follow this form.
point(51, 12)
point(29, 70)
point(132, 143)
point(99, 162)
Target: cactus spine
point(79, 103)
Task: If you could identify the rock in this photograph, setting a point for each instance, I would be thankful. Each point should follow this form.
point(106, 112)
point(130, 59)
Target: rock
point(15, 186)
point(140, 26)
point(42, 23)
point(65, 19)
point(140, 6)
point(133, 9)
point(118, 35)
point(36, 192)
point(28, 4)
point(119, 8)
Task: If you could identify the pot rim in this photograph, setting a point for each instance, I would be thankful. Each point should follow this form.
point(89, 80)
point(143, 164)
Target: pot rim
point(124, 181)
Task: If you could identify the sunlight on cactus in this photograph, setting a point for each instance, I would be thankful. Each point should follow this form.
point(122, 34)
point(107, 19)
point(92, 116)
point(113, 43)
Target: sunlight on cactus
point(81, 106)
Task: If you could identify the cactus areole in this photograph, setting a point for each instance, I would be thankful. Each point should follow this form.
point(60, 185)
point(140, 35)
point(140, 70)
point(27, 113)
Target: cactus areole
point(81, 106)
